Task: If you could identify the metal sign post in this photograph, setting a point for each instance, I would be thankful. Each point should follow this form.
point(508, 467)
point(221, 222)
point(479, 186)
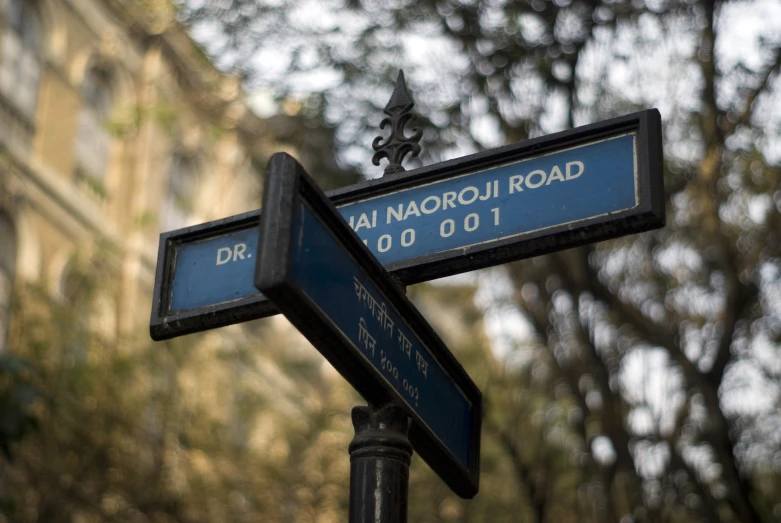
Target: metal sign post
point(332, 265)
point(380, 457)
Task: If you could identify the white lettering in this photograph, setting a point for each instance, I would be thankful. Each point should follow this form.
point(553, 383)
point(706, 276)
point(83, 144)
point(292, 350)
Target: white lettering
point(449, 224)
point(487, 192)
point(404, 344)
point(463, 200)
point(412, 208)
point(388, 241)
point(538, 172)
point(238, 251)
point(368, 341)
point(434, 199)
point(396, 213)
point(363, 221)
point(495, 210)
point(555, 174)
point(475, 222)
point(408, 237)
point(570, 175)
point(448, 200)
point(515, 183)
point(220, 251)
point(422, 363)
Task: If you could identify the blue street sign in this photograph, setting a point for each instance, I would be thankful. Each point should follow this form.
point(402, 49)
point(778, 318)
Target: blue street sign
point(551, 193)
point(216, 270)
point(317, 272)
point(528, 195)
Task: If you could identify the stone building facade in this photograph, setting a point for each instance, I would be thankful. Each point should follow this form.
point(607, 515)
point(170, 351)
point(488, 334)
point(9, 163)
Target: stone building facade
point(113, 128)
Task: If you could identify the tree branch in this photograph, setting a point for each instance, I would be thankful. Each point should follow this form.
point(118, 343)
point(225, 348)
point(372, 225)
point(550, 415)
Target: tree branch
point(744, 117)
point(537, 500)
point(723, 445)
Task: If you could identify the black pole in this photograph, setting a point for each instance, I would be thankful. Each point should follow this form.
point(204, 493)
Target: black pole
point(380, 455)
point(380, 452)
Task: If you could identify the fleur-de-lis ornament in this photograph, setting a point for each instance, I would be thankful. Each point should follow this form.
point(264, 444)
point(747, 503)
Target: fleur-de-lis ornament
point(397, 145)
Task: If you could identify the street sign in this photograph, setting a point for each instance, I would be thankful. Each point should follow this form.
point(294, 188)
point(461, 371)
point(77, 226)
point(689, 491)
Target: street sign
point(551, 193)
point(315, 269)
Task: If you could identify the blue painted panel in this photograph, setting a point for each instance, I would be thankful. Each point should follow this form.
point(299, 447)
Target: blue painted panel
point(501, 202)
point(216, 270)
point(326, 273)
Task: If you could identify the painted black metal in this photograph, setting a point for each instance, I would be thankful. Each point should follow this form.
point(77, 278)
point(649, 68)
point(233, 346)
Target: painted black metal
point(272, 277)
point(397, 145)
point(648, 215)
point(380, 456)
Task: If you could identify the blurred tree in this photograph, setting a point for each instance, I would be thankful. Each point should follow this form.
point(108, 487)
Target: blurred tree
point(656, 396)
point(99, 428)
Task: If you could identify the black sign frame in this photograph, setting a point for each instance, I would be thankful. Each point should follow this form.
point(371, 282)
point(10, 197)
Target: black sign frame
point(647, 215)
point(286, 181)
point(166, 325)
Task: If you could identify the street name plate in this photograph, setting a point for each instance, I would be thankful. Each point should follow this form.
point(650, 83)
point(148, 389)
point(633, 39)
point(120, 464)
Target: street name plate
point(314, 268)
point(559, 191)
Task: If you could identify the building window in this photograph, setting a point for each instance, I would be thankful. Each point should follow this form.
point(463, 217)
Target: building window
point(92, 137)
point(20, 62)
point(179, 204)
point(7, 273)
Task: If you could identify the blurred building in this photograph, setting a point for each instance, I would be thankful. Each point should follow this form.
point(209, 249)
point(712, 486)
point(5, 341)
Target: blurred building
point(113, 128)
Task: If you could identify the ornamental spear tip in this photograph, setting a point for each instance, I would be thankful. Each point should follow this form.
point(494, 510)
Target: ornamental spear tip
point(400, 99)
point(397, 145)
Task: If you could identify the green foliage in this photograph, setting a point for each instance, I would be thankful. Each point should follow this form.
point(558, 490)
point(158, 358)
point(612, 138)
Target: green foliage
point(125, 122)
point(627, 399)
point(17, 394)
point(146, 219)
point(166, 116)
point(186, 430)
point(92, 184)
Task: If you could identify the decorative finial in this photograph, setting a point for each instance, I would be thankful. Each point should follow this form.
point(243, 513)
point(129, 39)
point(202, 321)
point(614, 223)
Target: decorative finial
point(397, 146)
